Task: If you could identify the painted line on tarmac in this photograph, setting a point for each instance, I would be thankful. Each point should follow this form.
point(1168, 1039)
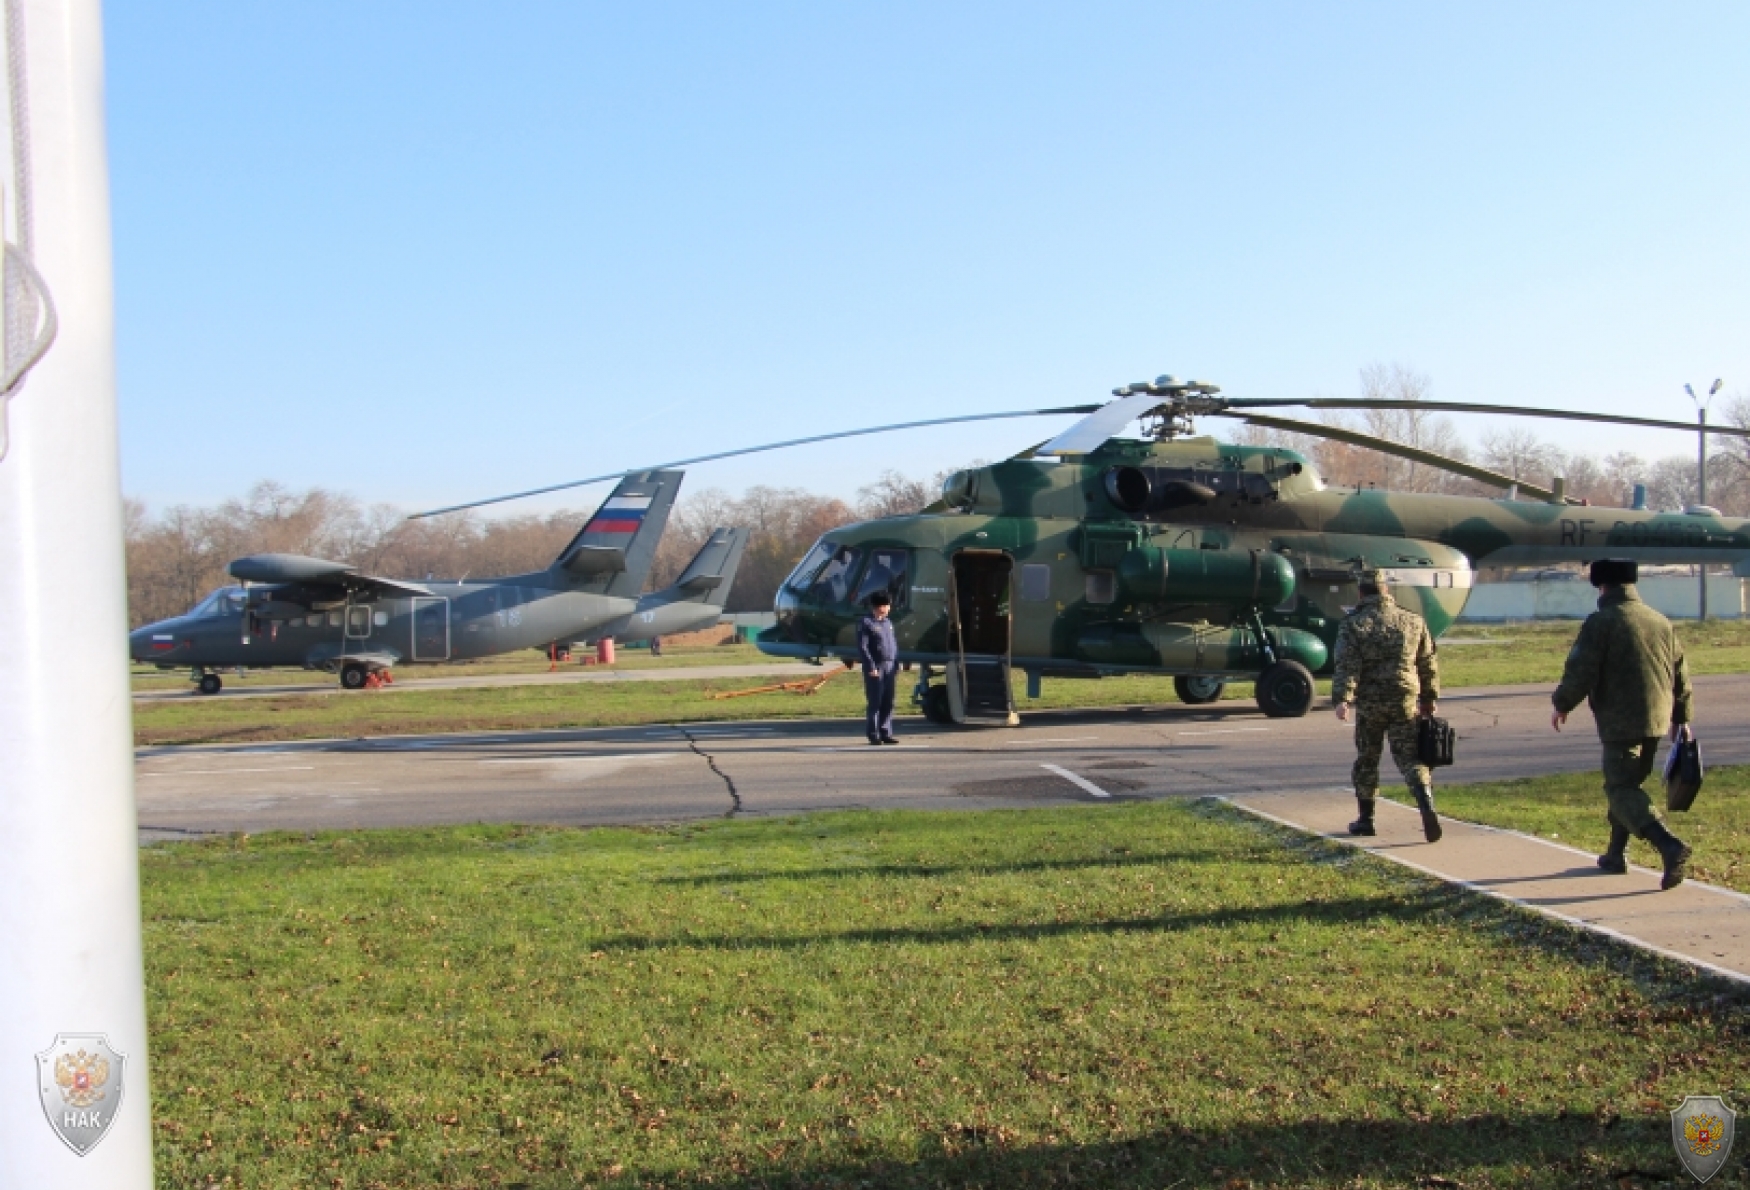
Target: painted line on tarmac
point(284, 768)
point(1080, 782)
point(1222, 731)
point(1068, 739)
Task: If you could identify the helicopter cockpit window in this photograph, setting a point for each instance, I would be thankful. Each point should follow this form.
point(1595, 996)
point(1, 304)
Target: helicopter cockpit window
point(834, 583)
point(887, 571)
point(809, 566)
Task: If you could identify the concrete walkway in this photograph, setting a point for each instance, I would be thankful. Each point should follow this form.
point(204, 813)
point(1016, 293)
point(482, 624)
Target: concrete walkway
point(1695, 923)
point(781, 671)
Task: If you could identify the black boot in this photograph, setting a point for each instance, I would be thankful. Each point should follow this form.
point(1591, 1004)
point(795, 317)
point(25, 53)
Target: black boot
point(1674, 851)
point(1424, 796)
point(1364, 824)
point(1614, 860)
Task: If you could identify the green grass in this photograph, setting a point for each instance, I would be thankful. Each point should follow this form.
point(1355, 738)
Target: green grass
point(1570, 808)
point(1513, 654)
point(1138, 995)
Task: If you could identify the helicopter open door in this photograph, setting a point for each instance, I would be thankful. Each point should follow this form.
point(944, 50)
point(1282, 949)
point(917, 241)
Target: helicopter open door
point(980, 638)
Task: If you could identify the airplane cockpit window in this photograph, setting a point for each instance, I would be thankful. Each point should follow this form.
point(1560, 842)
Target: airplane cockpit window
point(226, 601)
point(887, 571)
point(806, 569)
point(834, 583)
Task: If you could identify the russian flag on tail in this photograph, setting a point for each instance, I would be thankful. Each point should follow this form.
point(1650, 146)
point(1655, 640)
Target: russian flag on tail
point(621, 514)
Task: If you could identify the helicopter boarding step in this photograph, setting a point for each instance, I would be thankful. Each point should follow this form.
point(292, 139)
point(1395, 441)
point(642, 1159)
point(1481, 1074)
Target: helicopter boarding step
point(988, 694)
point(1695, 923)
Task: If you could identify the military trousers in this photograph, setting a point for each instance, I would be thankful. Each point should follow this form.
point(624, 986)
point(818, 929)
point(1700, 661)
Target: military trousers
point(1627, 764)
point(1373, 729)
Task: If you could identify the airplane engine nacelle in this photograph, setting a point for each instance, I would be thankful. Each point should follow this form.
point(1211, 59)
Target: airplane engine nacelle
point(1257, 577)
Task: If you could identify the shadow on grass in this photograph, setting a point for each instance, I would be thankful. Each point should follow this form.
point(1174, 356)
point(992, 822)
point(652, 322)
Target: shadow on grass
point(1490, 1150)
point(993, 868)
point(1316, 912)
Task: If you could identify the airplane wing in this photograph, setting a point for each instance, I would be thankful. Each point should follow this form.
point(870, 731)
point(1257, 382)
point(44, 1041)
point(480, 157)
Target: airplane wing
point(316, 580)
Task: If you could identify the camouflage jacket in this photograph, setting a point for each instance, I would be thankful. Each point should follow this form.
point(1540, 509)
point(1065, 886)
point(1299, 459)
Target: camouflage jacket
point(1385, 659)
point(1628, 665)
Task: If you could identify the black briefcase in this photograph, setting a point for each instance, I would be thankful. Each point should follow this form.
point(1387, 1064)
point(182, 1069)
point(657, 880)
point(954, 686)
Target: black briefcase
point(1434, 742)
point(1683, 771)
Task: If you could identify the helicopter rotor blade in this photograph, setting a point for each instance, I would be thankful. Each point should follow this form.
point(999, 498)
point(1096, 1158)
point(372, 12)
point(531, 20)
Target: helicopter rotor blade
point(1387, 446)
point(748, 450)
point(1087, 435)
point(1470, 407)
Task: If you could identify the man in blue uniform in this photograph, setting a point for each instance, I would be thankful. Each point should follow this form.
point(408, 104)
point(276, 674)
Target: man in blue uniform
point(879, 650)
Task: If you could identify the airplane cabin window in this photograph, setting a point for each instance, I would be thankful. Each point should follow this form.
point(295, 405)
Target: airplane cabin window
point(334, 619)
point(380, 619)
point(1035, 582)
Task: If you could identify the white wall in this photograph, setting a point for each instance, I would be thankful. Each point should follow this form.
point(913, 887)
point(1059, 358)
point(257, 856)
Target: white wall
point(1676, 596)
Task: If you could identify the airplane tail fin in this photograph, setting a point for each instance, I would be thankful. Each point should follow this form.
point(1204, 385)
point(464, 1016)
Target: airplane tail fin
point(613, 552)
point(711, 573)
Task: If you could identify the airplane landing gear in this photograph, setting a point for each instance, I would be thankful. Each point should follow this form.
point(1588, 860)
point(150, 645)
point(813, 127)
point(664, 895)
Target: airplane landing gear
point(354, 676)
point(209, 683)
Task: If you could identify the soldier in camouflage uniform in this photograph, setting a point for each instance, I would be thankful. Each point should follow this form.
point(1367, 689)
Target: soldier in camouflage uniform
point(1628, 665)
point(1387, 669)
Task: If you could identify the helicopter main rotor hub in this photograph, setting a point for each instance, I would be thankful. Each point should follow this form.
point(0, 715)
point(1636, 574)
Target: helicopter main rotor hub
point(1183, 401)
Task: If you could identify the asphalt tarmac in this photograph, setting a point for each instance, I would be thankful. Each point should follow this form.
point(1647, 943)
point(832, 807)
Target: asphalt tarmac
point(672, 773)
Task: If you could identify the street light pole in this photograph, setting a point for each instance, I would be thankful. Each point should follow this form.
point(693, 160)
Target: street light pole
point(1701, 473)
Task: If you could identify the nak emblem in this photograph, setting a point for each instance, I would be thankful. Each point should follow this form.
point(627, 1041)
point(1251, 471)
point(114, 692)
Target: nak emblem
point(79, 1080)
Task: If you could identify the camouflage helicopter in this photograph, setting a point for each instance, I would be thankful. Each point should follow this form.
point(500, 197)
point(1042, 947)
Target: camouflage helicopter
point(1091, 555)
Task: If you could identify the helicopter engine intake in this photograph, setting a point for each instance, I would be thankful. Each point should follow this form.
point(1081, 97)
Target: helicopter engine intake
point(1258, 577)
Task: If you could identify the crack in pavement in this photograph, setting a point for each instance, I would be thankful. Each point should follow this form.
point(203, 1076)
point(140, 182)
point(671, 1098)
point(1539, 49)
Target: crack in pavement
point(710, 760)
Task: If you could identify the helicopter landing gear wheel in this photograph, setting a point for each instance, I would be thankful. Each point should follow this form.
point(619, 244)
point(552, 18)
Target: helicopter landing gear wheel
point(936, 705)
point(1285, 690)
point(210, 684)
point(1199, 690)
point(353, 676)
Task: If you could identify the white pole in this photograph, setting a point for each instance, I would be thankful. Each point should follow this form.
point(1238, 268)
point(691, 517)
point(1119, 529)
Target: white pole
point(70, 959)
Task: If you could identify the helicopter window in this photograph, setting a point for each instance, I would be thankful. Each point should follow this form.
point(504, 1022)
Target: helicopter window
point(834, 583)
point(806, 569)
point(334, 619)
point(1102, 586)
point(1035, 582)
point(886, 572)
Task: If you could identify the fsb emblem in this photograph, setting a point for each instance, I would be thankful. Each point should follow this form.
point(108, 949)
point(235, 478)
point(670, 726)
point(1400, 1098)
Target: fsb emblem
point(1701, 1130)
point(79, 1080)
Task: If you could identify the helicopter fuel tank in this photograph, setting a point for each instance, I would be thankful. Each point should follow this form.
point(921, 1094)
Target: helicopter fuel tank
point(1195, 648)
point(1258, 577)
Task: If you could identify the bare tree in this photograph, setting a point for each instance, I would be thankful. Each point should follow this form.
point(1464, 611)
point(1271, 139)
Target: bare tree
point(1521, 454)
point(896, 495)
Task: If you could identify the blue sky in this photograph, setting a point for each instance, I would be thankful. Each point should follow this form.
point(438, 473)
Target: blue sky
point(430, 252)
